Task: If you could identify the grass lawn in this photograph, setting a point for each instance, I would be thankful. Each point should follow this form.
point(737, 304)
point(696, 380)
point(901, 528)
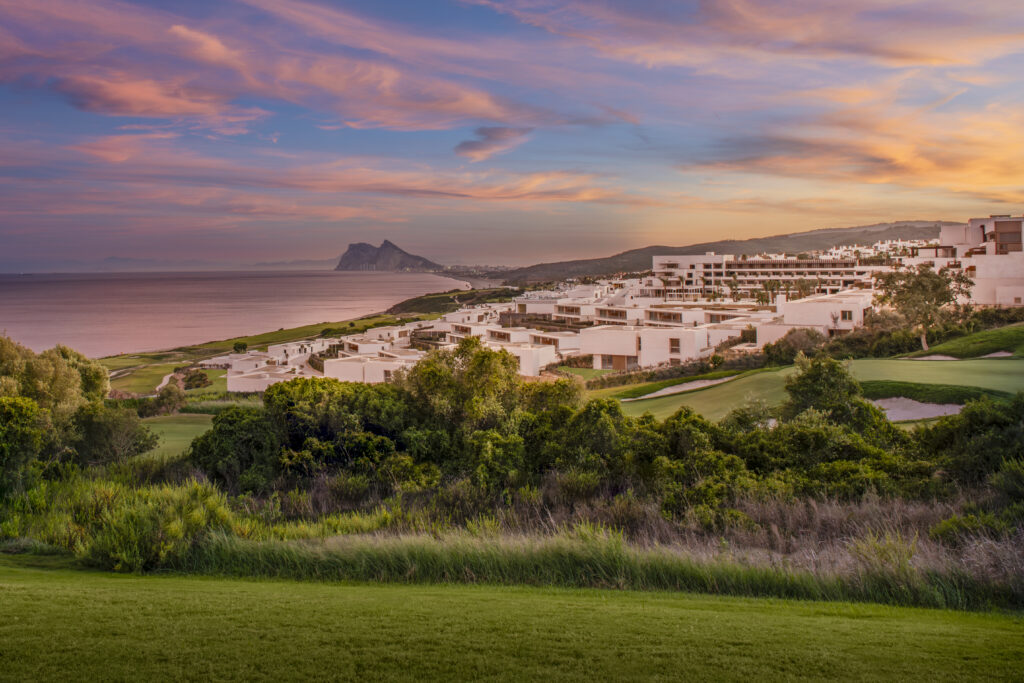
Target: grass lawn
point(929, 393)
point(585, 373)
point(219, 379)
point(998, 374)
point(176, 432)
point(716, 401)
point(143, 379)
point(641, 390)
point(68, 624)
point(1009, 338)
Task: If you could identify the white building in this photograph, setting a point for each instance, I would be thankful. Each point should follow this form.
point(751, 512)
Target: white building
point(628, 347)
point(691, 278)
point(987, 250)
point(828, 314)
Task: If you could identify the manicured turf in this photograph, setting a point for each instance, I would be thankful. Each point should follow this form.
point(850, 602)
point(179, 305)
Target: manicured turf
point(62, 624)
point(929, 393)
point(176, 432)
point(1009, 338)
point(715, 402)
point(640, 390)
point(143, 379)
point(999, 374)
point(585, 373)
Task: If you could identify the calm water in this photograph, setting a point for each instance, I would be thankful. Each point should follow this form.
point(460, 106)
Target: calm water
point(110, 313)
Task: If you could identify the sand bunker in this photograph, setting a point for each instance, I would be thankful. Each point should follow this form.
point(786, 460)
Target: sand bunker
point(680, 388)
point(898, 409)
point(935, 356)
point(998, 354)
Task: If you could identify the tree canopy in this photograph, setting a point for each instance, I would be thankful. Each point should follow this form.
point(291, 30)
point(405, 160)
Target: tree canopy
point(922, 295)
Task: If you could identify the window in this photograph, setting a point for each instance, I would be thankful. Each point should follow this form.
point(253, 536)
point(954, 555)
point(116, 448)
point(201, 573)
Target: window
point(673, 346)
point(387, 375)
point(846, 315)
point(1016, 299)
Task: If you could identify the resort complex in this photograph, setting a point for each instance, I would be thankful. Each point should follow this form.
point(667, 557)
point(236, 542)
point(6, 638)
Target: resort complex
point(688, 308)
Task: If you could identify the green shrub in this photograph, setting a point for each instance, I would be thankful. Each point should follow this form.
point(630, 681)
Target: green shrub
point(241, 450)
point(1009, 480)
point(157, 527)
point(21, 438)
point(349, 488)
point(958, 528)
point(110, 434)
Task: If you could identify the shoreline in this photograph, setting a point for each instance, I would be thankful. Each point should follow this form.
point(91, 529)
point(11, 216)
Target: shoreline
point(105, 316)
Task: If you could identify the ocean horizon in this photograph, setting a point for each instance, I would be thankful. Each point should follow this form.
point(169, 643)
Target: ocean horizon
point(105, 314)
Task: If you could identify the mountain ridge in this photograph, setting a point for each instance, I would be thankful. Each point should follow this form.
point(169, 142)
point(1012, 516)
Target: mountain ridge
point(387, 257)
point(635, 260)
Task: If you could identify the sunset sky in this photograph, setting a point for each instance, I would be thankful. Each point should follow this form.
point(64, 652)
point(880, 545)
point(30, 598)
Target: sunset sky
point(494, 131)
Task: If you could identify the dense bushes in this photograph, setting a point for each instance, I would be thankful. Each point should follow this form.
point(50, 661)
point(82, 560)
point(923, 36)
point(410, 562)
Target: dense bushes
point(463, 418)
point(52, 412)
point(156, 527)
point(241, 451)
point(109, 434)
point(21, 437)
point(975, 444)
point(116, 526)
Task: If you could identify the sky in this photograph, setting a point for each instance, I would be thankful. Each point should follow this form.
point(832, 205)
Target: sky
point(494, 131)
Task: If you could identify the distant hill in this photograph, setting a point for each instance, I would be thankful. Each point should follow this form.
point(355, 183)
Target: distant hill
point(363, 256)
point(640, 259)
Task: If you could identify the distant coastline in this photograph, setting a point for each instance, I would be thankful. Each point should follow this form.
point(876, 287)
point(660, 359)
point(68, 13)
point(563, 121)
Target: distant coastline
point(106, 314)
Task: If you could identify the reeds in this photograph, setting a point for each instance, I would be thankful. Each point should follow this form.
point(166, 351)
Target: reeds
point(584, 557)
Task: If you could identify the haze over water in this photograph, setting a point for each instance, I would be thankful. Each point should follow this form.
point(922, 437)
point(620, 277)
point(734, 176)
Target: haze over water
point(111, 313)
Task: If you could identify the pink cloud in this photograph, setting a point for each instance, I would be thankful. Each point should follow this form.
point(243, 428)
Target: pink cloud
point(172, 78)
point(120, 94)
point(150, 158)
point(934, 32)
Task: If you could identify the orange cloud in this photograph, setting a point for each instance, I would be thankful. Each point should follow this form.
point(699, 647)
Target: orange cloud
point(975, 153)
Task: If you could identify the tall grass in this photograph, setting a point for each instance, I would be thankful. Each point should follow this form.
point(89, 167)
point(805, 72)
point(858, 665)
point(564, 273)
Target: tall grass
point(600, 559)
point(875, 550)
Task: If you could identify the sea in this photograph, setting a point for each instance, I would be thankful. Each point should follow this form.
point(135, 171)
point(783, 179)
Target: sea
point(104, 314)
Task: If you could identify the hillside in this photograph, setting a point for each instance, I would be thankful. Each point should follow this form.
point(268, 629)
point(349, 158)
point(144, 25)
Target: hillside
point(387, 257)
point(640, 259)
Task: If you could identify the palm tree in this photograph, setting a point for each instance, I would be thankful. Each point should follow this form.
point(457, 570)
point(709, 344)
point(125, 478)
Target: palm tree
point(734, 288)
